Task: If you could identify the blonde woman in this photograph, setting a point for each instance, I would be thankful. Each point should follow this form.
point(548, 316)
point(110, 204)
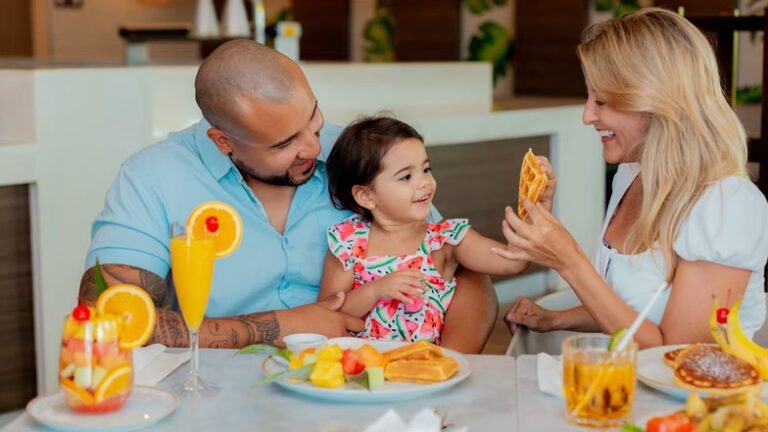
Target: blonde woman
point(682, 208)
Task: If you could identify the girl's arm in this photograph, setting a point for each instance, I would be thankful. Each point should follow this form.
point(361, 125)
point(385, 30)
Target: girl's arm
point(357, 302)
point(475, 253)
point(397, 286)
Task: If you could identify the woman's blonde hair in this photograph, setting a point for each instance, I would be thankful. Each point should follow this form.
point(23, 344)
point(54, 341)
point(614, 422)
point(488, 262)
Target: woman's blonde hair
point(657, 63)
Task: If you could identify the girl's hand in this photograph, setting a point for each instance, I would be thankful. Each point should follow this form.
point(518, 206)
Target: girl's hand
point(400, 285)
point(548, 197)
point(526, 313)
point(544, 240)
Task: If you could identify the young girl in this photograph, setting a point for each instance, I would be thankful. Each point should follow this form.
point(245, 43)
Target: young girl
point(396, 268)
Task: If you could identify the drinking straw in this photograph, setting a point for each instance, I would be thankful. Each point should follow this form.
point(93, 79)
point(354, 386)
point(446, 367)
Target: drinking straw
point(640, 317)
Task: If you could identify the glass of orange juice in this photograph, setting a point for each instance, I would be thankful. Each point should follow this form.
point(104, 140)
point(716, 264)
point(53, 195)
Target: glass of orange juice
point(95, 372)
point(599, 385)
point(192, 259)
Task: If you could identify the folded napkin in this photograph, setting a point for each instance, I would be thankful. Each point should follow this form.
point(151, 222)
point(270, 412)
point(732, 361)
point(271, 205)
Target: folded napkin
point(549, 372)
point(151, 364)
point(425, 420)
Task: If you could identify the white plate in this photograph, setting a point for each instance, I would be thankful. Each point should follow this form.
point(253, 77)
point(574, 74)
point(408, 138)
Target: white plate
point(145, 406)
point(652, 372)
point(390, 391)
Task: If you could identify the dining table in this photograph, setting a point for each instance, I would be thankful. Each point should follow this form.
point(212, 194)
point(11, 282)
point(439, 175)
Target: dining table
point(485, 400)
point(501, 393)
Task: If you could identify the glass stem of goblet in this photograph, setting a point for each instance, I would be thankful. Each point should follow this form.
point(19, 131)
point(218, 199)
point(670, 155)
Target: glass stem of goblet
point(194, 342)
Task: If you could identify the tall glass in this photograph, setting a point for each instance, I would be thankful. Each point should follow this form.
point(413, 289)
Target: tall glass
point(599, 385)
point(192, 269)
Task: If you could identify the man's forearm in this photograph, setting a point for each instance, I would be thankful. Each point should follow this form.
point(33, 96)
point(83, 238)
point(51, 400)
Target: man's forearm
point(170, 328)
point(231, 332)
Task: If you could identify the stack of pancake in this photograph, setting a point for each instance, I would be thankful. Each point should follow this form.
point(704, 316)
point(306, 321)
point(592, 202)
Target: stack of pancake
point(419, 362)
point(706, 368)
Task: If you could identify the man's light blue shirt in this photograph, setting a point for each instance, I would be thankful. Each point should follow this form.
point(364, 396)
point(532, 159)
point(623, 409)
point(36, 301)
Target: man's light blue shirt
point(166, 181)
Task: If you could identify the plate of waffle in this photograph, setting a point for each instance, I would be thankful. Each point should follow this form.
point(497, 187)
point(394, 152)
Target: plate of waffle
point(679, 370)
point(413, 370)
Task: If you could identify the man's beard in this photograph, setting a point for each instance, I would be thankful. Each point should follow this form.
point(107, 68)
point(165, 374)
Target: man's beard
point(286, 179)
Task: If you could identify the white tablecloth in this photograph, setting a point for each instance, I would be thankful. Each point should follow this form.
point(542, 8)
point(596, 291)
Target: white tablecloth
point(485, 401)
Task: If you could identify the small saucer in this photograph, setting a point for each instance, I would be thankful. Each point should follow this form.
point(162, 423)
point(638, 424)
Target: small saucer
point(145, 406)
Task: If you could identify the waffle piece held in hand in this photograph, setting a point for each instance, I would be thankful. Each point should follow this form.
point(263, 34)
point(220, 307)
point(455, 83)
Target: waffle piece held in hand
point(533, 182)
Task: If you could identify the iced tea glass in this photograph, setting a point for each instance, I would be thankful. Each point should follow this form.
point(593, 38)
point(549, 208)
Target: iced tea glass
point(599, 385)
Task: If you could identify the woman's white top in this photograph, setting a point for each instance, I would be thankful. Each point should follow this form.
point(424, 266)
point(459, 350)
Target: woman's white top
point(728, 225)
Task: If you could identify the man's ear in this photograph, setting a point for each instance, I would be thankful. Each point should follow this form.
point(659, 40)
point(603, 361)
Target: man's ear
point(223, 143)
point(364, 196)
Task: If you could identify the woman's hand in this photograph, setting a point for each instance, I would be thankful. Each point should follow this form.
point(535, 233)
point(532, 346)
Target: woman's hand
point(544, 240)
point(400, 285)
point(526, 313)
point(548, 197)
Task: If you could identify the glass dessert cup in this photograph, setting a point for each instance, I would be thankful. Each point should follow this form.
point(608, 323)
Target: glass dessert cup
point(95, 374)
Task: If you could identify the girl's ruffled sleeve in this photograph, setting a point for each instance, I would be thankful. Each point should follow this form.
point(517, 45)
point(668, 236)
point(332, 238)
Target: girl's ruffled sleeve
point(341, 238)
point(451, 231)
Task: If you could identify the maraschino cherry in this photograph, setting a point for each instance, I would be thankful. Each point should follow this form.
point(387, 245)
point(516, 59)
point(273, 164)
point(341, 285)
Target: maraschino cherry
point(81, 313)
point(212, 224)
point(722, 315)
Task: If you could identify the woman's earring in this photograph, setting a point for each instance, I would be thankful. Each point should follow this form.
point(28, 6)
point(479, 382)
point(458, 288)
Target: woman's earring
point(372, 206)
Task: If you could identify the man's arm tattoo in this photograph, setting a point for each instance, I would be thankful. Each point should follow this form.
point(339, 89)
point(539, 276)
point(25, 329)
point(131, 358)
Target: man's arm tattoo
point(243, 330)
point(170, 329)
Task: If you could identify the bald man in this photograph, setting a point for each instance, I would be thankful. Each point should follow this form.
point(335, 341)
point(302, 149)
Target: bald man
point(260, 148)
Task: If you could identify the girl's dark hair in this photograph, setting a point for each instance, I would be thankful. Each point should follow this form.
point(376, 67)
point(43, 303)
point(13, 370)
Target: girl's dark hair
point(356, 157)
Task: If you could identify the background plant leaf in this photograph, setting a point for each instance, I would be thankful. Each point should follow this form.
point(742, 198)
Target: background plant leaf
point(476, 7)
point(491, 44)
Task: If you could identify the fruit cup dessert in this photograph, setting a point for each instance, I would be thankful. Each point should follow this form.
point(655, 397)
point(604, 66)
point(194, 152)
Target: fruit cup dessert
point(95, 367)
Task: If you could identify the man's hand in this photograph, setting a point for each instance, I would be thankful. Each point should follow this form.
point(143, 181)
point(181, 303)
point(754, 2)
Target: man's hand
point(322, 317)
point(400, 285)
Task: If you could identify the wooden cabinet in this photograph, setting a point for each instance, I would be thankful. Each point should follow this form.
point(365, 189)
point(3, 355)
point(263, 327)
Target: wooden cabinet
point(18, 382)
point(545, 51)
point(325, 29)
point(427, 30)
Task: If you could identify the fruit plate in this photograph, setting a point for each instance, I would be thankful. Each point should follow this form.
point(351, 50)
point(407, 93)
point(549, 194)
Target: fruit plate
point(652, 372)
point(389, 392)
point(145, 406)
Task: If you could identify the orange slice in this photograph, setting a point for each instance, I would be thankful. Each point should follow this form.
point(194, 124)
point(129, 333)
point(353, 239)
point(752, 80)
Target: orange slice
point(230, 226)
point(76, 395)
point(114, 383)
point(137, 309)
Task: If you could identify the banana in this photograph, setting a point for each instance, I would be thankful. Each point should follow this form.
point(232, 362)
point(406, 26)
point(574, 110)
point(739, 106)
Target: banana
point(743, 347)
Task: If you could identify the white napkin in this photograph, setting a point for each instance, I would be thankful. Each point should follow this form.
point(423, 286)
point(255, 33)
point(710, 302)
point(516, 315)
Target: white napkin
point(151, 364)
point(549, 372)
point(425, 420)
